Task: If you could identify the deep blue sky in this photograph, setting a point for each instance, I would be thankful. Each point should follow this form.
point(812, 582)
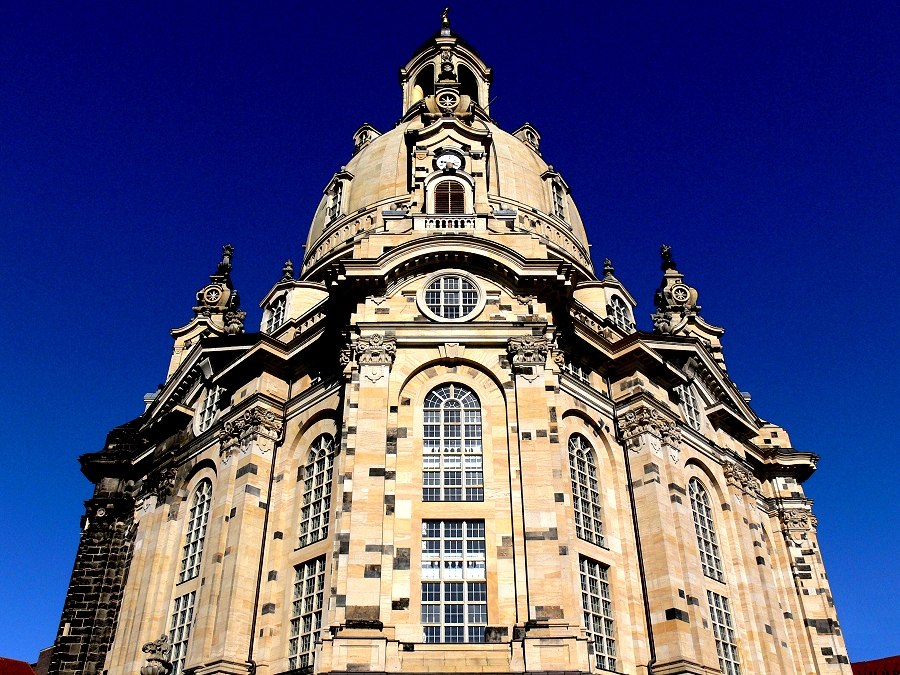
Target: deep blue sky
point(759, 139)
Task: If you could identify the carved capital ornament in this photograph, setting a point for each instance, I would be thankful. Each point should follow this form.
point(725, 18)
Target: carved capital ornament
point(250, 427)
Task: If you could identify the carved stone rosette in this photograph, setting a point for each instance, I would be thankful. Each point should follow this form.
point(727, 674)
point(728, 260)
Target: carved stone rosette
point(528, 350)
point(158, 654)
point(255, 426)
point(741, 478)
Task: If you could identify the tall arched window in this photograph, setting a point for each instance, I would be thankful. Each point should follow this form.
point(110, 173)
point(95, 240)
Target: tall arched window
point(452, 468)
point(210, 408)
point(585, 491)
point(276, 314)
point(449, 197)
point(317, 475)
point(192, 551)
point(710, 558)
point(690, 406)
point(619, 314)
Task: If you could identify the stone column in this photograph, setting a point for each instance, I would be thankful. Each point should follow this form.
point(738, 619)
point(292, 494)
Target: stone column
point(358, 641)
point(247, 445)
point(553, 627)
point(652, 442)
point(798, 526)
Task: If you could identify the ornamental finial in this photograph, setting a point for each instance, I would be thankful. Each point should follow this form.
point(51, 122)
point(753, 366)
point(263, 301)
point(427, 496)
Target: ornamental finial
point(225, 264)
point(608, 269)
point(666, 253)
point(287, 271)
point(445, 21)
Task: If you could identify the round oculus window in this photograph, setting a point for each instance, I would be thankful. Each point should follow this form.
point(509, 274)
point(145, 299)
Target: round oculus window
point(451, 297)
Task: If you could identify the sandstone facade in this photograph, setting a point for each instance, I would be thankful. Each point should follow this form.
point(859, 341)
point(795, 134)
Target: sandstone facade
point(448, 449)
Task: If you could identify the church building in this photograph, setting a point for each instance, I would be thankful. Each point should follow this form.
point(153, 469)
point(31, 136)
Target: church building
point(447, 448)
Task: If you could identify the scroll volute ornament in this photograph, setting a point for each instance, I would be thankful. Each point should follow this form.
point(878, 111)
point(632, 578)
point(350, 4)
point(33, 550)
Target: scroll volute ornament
point(376, 350)
point(158, 653)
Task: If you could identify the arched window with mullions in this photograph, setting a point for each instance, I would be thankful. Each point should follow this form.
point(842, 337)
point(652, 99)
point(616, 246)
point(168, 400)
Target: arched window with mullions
point(449, 198)
point(317, 477)
point(585, 491)
point(452, 469)
point(192, 551)
point(710, 558)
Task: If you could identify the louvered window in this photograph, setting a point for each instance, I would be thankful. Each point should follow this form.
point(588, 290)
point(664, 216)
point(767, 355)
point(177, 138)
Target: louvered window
point(449, 198)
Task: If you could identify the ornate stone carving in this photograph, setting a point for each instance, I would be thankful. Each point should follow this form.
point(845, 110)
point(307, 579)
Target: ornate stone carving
point(528, 350)
point(375, 350)
point(158, 653)
point(641, 420)
point(346, 355)
point(740, 478)
point(160, 483)
point(646, 420)
point(797, 519)
point(248, 428)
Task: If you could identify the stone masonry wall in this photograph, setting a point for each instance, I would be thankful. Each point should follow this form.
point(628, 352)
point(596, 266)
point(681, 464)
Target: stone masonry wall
point(91, 608)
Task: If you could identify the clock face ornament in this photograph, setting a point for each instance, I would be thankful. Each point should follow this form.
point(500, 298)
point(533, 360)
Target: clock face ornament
point(448, 162)
point(680, 294)
point(212, 294)
point(448, 100)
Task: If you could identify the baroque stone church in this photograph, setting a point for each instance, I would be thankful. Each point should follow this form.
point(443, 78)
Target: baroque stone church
point(448, 449)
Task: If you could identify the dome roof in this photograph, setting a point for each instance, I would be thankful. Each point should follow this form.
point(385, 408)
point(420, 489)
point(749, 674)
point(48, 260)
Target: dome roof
point(446, 137)
point(380, 177)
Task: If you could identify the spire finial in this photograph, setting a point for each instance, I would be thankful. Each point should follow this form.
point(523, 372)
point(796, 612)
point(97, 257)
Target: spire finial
point(445, 21)
point(666, 253)
point(225, 264)
point(288, 270)
point(608, 269)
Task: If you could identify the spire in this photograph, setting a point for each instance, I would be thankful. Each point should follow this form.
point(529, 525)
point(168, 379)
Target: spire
point(219, 300)
point(677, 309)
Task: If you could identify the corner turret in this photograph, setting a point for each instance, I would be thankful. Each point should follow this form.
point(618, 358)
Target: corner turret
point(677, 310)
point(217, 311)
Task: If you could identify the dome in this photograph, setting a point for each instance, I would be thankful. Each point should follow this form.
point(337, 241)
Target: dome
point(446, 140)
